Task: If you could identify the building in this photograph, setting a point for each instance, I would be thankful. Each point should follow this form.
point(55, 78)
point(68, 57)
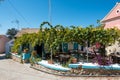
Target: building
point(8, 46)
point(65, 46)
point(112, 19)
point(3, 41)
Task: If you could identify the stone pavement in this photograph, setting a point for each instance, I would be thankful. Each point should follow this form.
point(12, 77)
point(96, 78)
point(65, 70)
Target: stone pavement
point(11, 70)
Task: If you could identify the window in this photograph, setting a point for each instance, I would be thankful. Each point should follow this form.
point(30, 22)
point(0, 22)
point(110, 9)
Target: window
point(117, 11)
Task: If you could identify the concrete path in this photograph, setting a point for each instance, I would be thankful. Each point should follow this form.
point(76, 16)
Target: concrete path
point(11, 70)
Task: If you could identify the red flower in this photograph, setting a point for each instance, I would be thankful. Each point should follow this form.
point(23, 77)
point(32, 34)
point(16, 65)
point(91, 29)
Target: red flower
point(98, 45)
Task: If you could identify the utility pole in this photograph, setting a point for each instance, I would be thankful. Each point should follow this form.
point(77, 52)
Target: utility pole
point(49, 12)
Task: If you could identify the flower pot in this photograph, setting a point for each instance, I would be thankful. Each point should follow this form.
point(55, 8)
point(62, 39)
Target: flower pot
point(50, 61)
point(74, 60)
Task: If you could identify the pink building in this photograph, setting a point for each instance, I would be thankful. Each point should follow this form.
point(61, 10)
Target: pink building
point(112, 19)
point(3, 41)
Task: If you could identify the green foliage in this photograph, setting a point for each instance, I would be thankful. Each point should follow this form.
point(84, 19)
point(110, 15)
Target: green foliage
point(68, 62)
point(16, 46)
point(31, 39)
point(34, 58)
point(11, 32)
point(52, 37)
point(34, 61)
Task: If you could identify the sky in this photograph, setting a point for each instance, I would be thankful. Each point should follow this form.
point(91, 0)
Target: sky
point(31, 13)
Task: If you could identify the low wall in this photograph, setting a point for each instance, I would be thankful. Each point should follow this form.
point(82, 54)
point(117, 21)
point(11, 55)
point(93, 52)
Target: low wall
point(16, 57)
point(78, 72)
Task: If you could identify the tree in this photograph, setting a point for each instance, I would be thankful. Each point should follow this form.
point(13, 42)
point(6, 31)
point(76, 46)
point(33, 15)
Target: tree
point(46, 35)
point(11, 33)
point(100, 24)
point(53, 36)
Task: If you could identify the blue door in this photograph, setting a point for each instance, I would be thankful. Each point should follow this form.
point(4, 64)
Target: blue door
point(75, 46)
point(65, 47)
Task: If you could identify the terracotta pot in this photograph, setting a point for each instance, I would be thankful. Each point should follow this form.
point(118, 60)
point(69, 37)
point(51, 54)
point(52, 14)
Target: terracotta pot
point(50, 61)
point(74, 60)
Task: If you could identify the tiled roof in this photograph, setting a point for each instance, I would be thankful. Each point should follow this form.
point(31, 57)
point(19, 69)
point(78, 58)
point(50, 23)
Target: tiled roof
point(105, 18)
point(27, 30)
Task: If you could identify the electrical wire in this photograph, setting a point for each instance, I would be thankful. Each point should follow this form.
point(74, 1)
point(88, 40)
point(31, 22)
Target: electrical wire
point(18, 12)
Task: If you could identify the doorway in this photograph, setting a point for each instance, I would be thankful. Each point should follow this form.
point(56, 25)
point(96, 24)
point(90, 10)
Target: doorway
point(39, 49)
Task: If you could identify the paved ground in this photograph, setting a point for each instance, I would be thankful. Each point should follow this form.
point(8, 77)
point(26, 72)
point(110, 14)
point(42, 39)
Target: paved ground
point(11, 70)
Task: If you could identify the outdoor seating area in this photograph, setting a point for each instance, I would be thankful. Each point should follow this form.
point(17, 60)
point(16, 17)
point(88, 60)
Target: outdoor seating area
point(63, 62)
point(71, 62)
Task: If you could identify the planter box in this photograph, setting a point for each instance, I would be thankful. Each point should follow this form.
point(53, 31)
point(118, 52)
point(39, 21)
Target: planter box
point(53, 66)
point(90, 68)
point(50, 62)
